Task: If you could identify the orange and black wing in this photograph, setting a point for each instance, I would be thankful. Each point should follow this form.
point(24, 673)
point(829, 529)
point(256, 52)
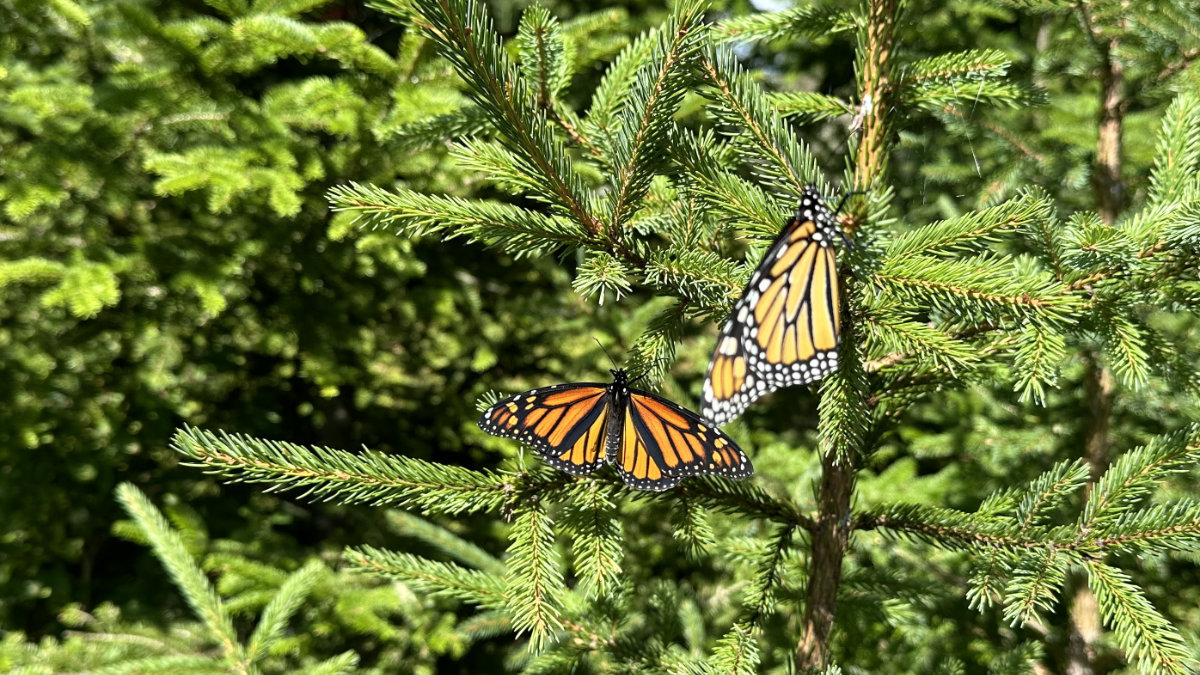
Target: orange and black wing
point(564, 423)
point(785, 328)
point(662, 443)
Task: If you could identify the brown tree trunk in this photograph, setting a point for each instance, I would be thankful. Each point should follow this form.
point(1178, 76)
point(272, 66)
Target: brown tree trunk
point(830, 537)
point(1084, 615)
point(831, 533)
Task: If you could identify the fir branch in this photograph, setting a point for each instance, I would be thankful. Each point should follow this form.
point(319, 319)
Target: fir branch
point(469, 120)
point(652, 352)
point(591, 517)
point(803, 21)
point(281, 607)
point(763, 138)
point(508, 227)
point(740, 497)
point(813, 106)
point(617, 84)
point(467, 40)
point(981, 289)
point(601, 274)
point(201, 596)
point(760, 596)
point(496, 164)
point(1039, 354)
point(950, 528)
point(440, 579)
point(736, 653)
point(1154, 529)
point(171, 663)
point(408, 525)
point(545, 60)
point(1178, 155)
point(1123, 343)
point(739, 201)
point(1045, 492)
point(1175, 67)
point(937, 96)
point(533, 584)
point(1139, 628)
point(334, 665)
point(704, 278)
point(971, 232)
point(977, 63)
point(985, 584)
point(692, 526)
point(325, 473)
point(891, 332)
point(645, 120)
point(1031, 591)
point(485, 625)
point(1135, 473)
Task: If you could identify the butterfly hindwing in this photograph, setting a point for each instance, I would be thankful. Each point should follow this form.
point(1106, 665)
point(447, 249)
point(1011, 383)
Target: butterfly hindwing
point(565, 423)
point(785, 328)
point(662, 443)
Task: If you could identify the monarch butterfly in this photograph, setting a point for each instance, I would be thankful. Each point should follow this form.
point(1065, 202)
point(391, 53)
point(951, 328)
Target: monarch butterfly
point(785, 328)
point(653, 442)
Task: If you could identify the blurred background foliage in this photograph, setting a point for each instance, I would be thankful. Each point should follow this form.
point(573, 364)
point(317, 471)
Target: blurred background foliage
point(167, 256)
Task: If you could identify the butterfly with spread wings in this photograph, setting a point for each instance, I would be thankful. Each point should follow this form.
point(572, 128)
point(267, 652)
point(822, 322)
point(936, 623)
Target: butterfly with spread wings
point(785, 328)
point(653, 442)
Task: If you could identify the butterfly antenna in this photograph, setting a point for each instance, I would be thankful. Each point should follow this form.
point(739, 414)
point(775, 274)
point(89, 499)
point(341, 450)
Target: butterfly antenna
point(610, 358)
point(841, 203)
point(846, 196)
point(647, 370)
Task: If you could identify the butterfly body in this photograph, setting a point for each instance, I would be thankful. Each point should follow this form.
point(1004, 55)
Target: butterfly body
point(653, 442)
point(785, 329)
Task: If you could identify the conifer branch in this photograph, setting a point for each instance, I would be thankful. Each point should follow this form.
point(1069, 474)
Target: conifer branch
point(408, 525)
point(466, 39)
point(597, 548)
point(736, 653)
point(533, 585)
point(324, 473)
point(766, 575)
point(616, 85)
point(978, 288)
point(511, 228)
point(971, 232)
point(1135, 472)
point(813, 106)
point(771, 147)
point(1031, 590)
point(949, 528)
point(1175, 67)
point(439, 579)
point(281, 607)
point(803, 21)
point(646, 119)
point(197, 589)
point(1140, 629)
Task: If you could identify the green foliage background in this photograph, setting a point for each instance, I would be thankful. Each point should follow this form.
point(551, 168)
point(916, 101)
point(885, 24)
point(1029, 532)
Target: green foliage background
point(169, 256)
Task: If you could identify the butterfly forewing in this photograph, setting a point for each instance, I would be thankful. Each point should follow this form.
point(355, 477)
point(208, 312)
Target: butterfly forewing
point(564, 423)
point(663, 443)
point(785, 328)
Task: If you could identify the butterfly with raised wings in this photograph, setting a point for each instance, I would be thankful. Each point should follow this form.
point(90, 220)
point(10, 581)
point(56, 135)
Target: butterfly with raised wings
point(653, 442)
point(786, 327)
